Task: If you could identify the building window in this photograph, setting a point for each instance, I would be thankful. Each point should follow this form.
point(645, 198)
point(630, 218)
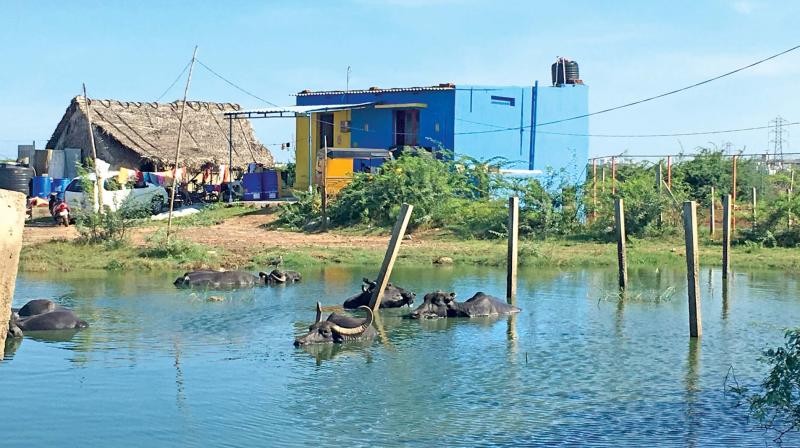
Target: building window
point(406, 127)
point(503, 100)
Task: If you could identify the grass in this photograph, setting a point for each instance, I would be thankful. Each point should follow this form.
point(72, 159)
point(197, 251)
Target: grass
point(210, 215)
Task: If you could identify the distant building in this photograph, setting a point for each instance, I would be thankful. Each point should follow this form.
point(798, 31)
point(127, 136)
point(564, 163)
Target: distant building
point(477, 121)
point(144, 135)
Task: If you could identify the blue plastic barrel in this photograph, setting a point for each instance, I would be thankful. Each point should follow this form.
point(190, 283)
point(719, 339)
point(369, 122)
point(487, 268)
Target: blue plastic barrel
point(42, 186)
point(269, 181)
point(252, 182)
point(59, 185)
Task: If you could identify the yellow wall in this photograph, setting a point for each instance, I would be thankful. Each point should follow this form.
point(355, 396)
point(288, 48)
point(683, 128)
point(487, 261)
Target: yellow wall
point(336, 168)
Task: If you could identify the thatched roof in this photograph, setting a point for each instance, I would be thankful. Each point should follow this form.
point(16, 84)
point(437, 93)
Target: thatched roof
point(150, 130)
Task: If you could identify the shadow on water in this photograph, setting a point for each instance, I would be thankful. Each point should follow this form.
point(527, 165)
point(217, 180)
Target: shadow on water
point(54, 336)
point(10, 346)
point(327, 352)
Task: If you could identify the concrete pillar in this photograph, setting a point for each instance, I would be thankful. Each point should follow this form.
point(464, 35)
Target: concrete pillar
point(12, 221)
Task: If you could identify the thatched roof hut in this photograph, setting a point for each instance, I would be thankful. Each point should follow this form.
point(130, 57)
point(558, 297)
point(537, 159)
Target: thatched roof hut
point(144, 135)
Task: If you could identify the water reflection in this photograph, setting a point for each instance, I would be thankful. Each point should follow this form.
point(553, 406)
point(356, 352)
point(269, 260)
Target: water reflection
point(693, 408)
point(725, 297)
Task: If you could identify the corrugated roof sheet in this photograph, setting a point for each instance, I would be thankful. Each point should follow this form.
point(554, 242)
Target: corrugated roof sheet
point(298, 110)
point(445, 86)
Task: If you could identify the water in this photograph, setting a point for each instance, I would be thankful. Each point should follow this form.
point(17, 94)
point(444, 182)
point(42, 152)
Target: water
point(164, 367)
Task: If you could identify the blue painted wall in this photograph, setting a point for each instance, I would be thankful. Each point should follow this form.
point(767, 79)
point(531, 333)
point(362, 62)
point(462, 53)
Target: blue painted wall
point(556, 151)
point(482, 116)
point(374, 128)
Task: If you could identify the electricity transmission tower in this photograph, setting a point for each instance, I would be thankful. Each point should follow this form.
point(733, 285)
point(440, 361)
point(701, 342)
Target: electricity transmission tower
point(777, 135)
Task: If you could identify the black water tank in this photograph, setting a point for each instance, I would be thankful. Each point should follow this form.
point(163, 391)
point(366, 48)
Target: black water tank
point(564, 71)
point(16, 177)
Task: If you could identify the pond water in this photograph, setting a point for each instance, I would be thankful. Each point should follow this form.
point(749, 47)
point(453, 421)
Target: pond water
point(165, 367)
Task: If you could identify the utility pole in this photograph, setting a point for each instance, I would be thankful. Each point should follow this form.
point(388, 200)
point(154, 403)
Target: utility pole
point(98, 190)
point(178, 147)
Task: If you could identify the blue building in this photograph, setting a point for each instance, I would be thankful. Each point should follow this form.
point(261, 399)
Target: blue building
point(477, 121)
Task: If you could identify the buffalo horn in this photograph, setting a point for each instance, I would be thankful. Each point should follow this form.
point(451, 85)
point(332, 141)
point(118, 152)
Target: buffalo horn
point(319, 313)
point(355, 330)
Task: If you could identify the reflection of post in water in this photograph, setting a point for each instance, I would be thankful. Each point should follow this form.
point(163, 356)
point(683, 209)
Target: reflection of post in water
point(180, 395)
point(619, 316)
point(377, 322)
point(692, 388)
point(511, 332)
point(725, 293)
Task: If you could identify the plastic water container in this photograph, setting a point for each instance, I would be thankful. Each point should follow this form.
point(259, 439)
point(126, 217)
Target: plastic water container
point(269, 184)
point(252, 183)
point(42, 186)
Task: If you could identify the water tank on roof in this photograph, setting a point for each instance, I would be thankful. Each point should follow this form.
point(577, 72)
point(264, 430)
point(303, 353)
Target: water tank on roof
point(565, 71)
point(16, 177)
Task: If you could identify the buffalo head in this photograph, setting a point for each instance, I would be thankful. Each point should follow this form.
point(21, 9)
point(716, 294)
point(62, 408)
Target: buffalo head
point(434, 305)
point(336, 328)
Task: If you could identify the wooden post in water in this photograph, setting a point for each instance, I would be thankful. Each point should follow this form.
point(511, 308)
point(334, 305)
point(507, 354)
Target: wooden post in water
point(12, 221)
point(755, 207)
point(726, 236)
point(622, 260)
point(712, 224)
point(391, 255)
point(513, 244)
point(692, 268)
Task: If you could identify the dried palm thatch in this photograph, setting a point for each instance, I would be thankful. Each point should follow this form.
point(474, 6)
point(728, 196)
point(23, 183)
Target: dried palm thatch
point(144, 135)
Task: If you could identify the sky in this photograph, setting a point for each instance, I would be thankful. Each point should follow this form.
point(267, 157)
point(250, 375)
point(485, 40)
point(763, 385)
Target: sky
point(627, 50)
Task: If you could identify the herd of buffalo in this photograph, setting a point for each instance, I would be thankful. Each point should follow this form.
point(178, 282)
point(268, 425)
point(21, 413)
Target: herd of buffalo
point(45, 315)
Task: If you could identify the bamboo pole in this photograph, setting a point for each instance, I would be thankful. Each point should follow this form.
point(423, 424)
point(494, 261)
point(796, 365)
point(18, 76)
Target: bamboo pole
point(712, 225)
point(178, 147)
point(692, 268)
point(594, 189)
point(98, 199)
point(391, 255)
point(613, 175)
point(513, 245)
point(726, 236)
point(622, 260)
point(733, 194)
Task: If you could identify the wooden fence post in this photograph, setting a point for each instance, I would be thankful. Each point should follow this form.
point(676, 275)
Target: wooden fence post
point(12, 221)
point(712, 218)
point(692, 268)
point(391, 255)
point(513, 244)
point(622, 260)
point(726, 235)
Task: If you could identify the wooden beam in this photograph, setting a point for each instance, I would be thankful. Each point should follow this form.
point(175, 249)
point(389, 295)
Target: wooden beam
point(391, 255)
point(513, 245)
point(12, 221)
point(622, 259)
point(692, 268)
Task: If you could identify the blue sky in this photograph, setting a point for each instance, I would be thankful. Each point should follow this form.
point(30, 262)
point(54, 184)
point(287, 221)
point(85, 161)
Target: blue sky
point(626, 50)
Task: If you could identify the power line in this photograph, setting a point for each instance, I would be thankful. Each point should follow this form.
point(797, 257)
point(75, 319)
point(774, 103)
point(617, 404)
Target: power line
point(676, 134)
point(177, 78)
point(644, 100)
point(232, 84)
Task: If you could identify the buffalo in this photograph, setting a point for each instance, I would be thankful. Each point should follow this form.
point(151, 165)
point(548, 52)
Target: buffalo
point(442, 304)
point(277, 277)
point(337, 329)
point(220, 279)
point(42, 315)
point(393, 296)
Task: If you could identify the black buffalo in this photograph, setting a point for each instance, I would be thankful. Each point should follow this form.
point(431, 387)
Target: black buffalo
point(393, 296)
point(277, 277)
point(337, 329)
point(443, 304)
point(43, 315)
point(220, 279)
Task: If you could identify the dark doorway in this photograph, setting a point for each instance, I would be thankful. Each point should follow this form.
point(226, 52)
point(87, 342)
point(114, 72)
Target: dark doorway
point(325, 128)
point(406, 127)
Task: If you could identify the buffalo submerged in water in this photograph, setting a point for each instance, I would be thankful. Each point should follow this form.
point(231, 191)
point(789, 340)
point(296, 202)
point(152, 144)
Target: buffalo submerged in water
point(337, 329)
point(234, 279)
point(393, 296)
point(443, 304)
point(42, 315)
